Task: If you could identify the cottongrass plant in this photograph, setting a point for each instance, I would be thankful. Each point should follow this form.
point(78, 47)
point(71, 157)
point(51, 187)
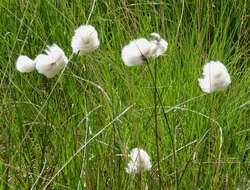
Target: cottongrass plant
point(24, 64)
point(215, 77)
point(139, 50)
point(50, 64)
point(85, 40)
point(140, 161)
point(135, 53)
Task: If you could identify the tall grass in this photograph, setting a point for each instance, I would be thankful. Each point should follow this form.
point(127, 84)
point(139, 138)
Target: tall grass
point(45, 137)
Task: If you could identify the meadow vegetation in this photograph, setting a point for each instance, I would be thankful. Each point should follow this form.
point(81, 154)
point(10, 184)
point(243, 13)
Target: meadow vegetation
point(75, 131)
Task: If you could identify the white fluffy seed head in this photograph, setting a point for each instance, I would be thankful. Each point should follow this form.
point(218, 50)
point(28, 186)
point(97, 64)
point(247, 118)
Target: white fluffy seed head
point(24, 64)
point(85, 40)
point(50, 64)
point(215, 77)
point(57, 55)
point(136, 52)
point(159, 47)
point(140, 161)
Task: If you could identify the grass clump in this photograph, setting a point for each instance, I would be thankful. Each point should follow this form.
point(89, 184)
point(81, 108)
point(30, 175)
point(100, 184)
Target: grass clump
point(75, 131)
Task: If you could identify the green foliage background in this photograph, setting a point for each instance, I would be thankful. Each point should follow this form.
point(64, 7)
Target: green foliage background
point(42, 127)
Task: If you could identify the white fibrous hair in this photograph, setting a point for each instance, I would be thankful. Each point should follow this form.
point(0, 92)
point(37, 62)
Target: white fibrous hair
point(24, 64)
point(85, 40)
point(139, 50)
point(159, 45)
point(136, 52)
point(215, 77)
point(156, 36)
point(50, 64)
point(140, 161)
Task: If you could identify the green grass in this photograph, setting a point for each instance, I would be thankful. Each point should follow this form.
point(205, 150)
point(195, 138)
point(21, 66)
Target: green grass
point(42, 127)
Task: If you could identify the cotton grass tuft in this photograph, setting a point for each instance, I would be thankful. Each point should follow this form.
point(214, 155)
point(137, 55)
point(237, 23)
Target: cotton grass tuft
point(215, 77)
point(24, 64)
point(159, 45)
point(136, 52)
point(50, 64)
point(85, 40)
point(140, 161)
point(139, 50)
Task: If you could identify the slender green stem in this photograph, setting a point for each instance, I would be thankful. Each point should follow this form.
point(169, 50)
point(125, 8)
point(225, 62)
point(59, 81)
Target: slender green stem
point(156, 125)
point(167, 123)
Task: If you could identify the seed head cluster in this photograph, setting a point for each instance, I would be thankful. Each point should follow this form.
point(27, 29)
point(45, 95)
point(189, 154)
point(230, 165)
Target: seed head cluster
point(84, 41)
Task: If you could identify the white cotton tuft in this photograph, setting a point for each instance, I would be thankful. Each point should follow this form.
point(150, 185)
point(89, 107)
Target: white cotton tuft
point(136, 52)
point(215, 77)
point(50, 64)
point(159, 45)
point(156, 36)
point(85, 40)
point(140, 161)
point(24, 64)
